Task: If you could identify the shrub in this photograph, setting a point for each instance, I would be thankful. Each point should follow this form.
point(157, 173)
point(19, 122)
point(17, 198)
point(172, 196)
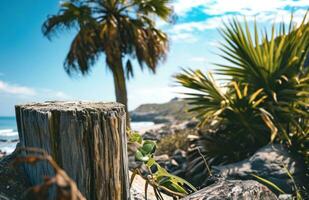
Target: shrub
point(172, 142)
point(264, 99)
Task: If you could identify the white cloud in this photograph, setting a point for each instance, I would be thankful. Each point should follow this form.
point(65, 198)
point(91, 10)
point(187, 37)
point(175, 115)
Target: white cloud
point(214, 44)
point(48, 94)
point(31, 93)
point(16, 89)
point(183, 37)
point(192, 26)
point(182, 7)
point(185, 32)
point(199, 59)
point(62, 95)
point(13, 94)
point(250, 7)
point(243, 7)
point(218, 14)
point(217, 22)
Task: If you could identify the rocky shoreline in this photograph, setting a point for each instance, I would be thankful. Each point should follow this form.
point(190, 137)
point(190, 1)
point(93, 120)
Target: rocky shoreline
point(232, 181)
point(168, 113)
point(267, 162)
point(271, 162)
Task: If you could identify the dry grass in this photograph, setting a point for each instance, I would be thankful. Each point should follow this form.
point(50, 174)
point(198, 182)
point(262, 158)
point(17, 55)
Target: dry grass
point(172, 142)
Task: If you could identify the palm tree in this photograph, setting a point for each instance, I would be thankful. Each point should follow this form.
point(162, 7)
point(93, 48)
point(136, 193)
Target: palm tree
point(120, 29)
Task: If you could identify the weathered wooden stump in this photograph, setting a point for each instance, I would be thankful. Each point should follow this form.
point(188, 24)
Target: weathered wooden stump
point(87, 140)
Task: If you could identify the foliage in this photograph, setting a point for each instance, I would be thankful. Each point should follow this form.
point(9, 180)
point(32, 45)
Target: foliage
point(237, 117)
point(298, 195)
point(267, 182)
point(171, 142)
point(276, 66)
point(122, 30)
point(264, 97)
point(157, 176)
point(66, 188)
point(116, 28)
point(295, 187)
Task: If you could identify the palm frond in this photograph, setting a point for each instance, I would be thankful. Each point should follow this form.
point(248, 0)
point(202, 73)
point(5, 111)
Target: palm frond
point(118, 28)
point(83, 53)
point(69, 17)
point(208, 98)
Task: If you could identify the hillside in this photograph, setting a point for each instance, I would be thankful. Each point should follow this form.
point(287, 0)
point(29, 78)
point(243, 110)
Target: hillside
point(174, 110)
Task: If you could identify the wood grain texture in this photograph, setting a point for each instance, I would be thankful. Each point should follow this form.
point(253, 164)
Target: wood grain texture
point(87, 140)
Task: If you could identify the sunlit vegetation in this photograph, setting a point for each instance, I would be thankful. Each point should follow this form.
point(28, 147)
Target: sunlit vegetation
point(263, 99)
point(121, 30)
point(158, 177)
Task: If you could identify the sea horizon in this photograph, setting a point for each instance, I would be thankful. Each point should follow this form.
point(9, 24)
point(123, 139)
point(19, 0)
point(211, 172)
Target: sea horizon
point(9, 133)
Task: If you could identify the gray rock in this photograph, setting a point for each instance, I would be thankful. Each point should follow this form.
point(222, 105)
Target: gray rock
point(233, 190)
point(267, 163)
point(192, 123)
point(180, 156)
point(136, 195)
point(285, 197)
point(162, 158)
point(13, 182)
point(151, 135)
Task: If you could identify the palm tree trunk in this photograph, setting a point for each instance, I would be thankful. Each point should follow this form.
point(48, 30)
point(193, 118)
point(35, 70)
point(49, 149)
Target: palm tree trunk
point(120, 86)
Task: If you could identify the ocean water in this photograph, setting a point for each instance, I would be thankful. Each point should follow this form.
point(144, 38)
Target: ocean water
point(9, 134)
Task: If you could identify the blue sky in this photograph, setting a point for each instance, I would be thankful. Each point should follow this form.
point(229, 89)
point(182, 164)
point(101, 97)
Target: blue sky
point(31, 66)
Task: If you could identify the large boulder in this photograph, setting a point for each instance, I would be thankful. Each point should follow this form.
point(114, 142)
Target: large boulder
point(233, 190)
point(271, 163)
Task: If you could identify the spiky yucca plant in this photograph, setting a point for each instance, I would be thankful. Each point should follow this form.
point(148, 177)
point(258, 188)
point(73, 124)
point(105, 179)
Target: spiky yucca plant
point(275, 64)
point(264, 100)
point(233, 122)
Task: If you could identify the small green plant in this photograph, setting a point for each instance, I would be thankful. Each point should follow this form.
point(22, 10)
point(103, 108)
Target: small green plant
point(157, 177)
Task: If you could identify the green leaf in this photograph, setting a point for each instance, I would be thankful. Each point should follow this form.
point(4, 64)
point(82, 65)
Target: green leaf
point(149, 147)
point(136, 137)
point(172, 182)
point(151, 162)
point(141, 157)
point(269, 183)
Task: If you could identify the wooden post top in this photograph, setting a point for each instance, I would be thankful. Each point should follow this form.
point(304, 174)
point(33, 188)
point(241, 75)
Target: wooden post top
point(48, 106)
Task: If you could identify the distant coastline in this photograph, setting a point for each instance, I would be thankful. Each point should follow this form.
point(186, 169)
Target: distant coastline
point(9, 134)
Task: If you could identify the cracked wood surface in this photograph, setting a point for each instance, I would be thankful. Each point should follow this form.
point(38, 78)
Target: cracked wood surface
point(87, 139)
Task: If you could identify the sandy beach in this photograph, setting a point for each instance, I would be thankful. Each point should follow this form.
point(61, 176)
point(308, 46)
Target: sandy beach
point(143, 127)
